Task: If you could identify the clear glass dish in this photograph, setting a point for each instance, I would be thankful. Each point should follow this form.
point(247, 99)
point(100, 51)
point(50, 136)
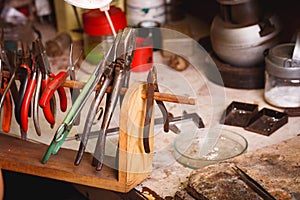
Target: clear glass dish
point(208, 146)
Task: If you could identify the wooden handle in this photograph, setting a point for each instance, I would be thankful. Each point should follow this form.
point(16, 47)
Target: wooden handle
point(157, 95)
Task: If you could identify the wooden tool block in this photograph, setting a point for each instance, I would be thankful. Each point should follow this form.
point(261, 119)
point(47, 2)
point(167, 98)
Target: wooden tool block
point(134, 164)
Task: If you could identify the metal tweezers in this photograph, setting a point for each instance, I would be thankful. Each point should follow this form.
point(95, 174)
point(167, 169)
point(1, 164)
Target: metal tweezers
point(255, 186)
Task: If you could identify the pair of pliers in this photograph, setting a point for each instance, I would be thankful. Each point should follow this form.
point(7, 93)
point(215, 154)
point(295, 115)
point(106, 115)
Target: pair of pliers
point(127, 36)
point(50, 83)
point(67, 124)
point(30, 88)
point(105, 81)
point(74, 91)
point(9, 85)
point(7, 107)
point(73, 113)
point(149, 109)
point(24, 71)
point(166, 115)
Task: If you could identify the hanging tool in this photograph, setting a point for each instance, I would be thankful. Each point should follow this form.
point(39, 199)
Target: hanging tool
point(55, 84)
point(74, 91)
point(32, 79)
point(157, 121)
point(50, 83)
point(7, 108)
point(149, 109)
point(12, 68)
point(67, 124)
point(44, 66)
point(118, 80)
point(105, 81)
point(129, 45)
point(36, 97)
point(161, 104)
point(121, 41)
point(25, 75)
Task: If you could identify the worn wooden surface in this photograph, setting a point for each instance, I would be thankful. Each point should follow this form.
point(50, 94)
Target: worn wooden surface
point(275, 167)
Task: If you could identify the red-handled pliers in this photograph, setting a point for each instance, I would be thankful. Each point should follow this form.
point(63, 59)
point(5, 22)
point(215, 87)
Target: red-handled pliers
point(47, 75)
point(28, 95)
point(51, 87)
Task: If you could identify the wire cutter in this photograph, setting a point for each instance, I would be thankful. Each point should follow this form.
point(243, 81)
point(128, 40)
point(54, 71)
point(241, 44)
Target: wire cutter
point(71, 117)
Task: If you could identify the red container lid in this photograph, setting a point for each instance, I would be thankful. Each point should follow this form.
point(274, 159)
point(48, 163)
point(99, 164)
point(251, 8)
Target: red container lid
point(95, 22)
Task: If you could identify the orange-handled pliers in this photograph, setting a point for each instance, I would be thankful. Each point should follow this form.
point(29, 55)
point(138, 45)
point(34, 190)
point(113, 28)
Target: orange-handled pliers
point(7, 109)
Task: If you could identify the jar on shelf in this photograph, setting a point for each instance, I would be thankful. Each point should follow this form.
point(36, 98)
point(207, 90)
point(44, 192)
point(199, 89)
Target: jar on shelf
point(141, 10)
point(97, 31)
point(282, 83)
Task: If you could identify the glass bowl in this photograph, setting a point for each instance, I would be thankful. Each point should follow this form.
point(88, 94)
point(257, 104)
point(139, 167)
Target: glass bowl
point(208, 146)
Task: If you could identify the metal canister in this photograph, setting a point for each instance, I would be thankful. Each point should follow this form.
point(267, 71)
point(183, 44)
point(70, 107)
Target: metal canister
point(282, 83)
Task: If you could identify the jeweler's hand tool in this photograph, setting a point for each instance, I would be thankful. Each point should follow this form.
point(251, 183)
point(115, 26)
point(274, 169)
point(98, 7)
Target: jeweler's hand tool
point(28, 95)
point(55, 84)
point(74, 91)
point(118, 80)
point(161, 104)
point(36, 97)
point(12, 68)
point(44, 65)
point(67, 124)
point(129, 45)
point(109, 109)
point(24, 73)
point(149, 109)
point(157, 121)
point(7, 109)
point(255, 186)
point(105, 81)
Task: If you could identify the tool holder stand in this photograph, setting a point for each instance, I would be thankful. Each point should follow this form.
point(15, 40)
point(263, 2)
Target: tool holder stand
point(134, 164)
